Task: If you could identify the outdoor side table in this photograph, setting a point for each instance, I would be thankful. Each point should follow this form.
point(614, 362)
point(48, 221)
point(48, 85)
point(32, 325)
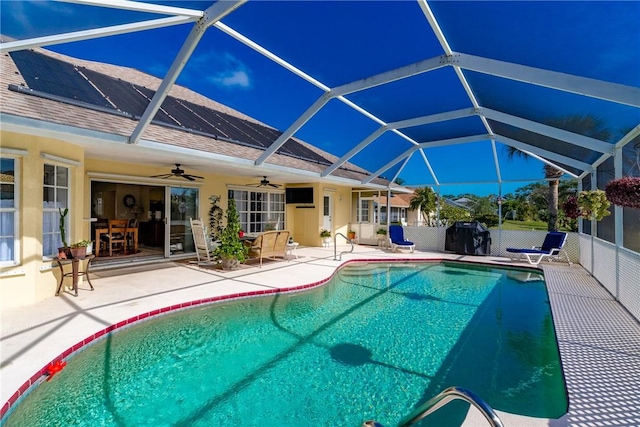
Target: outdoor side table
point(291, 249)
point(75, 271)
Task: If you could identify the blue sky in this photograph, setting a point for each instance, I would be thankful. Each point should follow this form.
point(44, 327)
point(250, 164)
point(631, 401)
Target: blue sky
point(340, 42)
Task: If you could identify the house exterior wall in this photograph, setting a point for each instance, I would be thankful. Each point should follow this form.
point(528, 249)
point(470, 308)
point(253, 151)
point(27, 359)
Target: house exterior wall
point(33, 278)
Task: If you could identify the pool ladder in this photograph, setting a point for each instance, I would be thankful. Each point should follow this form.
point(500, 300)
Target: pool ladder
point(443, 398)
point(335, 248)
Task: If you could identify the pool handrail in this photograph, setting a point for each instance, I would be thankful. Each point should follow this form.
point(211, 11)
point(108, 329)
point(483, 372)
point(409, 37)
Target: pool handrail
point(441, 399)
point(446, 396)
point(335, 248)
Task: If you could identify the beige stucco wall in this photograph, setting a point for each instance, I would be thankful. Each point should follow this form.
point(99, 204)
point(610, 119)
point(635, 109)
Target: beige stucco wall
point(33, 279)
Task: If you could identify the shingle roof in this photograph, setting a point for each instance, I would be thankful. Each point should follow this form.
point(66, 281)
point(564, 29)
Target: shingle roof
point(59, 100)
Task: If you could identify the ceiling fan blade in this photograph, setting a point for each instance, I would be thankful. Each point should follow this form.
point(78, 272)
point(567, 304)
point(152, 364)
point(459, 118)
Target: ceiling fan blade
point(195, 176)
point(189, 177)
point(274, 185)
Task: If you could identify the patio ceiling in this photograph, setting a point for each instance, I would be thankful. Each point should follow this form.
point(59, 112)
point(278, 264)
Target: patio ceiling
point(392, 86)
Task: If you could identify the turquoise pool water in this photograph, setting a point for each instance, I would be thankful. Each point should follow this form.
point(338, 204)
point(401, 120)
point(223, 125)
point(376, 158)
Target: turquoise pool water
point(373, 343)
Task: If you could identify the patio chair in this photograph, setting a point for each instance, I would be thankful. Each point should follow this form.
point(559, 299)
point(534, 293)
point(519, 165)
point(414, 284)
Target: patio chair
point(551, 248)
point(203, 248)
point(397, 240)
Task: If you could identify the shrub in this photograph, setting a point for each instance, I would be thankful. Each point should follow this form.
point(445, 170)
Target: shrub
point(489, 220)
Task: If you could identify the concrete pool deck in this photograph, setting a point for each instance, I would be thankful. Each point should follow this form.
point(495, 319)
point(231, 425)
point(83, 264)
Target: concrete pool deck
point(599, 341)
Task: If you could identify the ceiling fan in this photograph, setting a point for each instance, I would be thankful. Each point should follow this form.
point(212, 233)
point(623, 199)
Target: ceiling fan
point(264, 182)
point(179, 173)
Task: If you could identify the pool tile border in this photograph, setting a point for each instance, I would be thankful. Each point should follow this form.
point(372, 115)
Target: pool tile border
point(40, 375)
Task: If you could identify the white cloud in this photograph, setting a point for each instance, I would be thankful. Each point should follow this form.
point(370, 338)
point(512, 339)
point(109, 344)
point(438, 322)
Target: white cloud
point(223, 70)
point(238, 78)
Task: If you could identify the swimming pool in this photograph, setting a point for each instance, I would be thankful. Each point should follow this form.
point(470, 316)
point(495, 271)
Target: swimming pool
point(371, 344)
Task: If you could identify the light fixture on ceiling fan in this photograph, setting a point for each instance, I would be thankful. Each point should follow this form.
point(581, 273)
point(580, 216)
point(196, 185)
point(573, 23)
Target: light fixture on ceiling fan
point(265, 183)
point(177, 172)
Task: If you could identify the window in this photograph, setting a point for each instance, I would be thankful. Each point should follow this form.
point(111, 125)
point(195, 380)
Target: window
point(55, 195)
point(364, 210)
point(9, 242)
point(259, 210)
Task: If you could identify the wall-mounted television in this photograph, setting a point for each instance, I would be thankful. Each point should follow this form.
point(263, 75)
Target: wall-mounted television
point(298, 195)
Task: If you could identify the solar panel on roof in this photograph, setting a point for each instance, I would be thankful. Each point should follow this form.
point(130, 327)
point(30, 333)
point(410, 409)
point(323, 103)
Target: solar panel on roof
point(225, 127)
point(49, 75)
point(121, 93)
point(186, 118)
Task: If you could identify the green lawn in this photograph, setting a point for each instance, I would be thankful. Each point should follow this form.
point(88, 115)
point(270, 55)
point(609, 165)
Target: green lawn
point(524, 225)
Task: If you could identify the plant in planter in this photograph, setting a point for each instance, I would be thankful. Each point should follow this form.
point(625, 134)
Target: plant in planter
point(571, 208)
point(624, 192)
point(231, 250)
point(381, 232)
point(82, 248)
point(79, 250)
point(325, 235)
point(351, 234)
point(63, 251)
point(215, 218)
point(593, 204)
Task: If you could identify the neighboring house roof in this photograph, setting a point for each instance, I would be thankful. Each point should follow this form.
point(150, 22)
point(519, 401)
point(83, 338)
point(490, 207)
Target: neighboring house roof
point(463, 201)
point(54, 88)
point(397, 201)
point(457, 204)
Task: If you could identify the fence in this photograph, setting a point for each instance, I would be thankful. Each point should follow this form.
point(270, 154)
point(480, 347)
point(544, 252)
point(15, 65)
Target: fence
point(617, 269)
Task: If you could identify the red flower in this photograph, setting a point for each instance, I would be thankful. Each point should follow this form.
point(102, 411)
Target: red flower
point(570, 208)
point(624, 192)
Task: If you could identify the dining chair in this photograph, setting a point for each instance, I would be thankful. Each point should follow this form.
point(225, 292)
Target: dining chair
point(116, 236)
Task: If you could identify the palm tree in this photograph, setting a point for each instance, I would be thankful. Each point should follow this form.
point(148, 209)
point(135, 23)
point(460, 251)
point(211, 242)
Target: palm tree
point(424, 200)
point(585, 125)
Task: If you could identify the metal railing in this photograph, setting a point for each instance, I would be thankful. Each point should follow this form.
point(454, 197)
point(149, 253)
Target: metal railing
point(443, 398)
point(335, 247)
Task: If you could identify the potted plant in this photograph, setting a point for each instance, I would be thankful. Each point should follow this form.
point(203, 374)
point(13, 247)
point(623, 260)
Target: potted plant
point(593, 204)
point(65, 250)
point(351, 234)
point(624, 192)
point(325, 235)
point(82, 248)
point(231, 251)
point(79, 250)
point(381, 232)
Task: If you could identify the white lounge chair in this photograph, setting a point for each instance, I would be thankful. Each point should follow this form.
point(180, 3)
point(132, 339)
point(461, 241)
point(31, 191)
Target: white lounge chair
point(551, 248)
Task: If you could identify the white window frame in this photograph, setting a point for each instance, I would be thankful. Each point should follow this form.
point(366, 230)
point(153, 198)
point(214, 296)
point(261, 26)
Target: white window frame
point(271, 214)
point(364, 211)
point(16, 260)
point(53, 211)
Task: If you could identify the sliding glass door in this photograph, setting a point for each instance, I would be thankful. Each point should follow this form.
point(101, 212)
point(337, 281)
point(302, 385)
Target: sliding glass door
point(183, 204)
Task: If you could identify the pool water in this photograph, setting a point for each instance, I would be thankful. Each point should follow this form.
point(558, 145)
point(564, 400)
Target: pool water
point(373, 343)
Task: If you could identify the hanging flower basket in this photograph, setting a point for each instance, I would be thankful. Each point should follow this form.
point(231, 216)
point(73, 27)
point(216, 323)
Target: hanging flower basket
point(593, 204)
point(624, 192)
point(571, 208)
